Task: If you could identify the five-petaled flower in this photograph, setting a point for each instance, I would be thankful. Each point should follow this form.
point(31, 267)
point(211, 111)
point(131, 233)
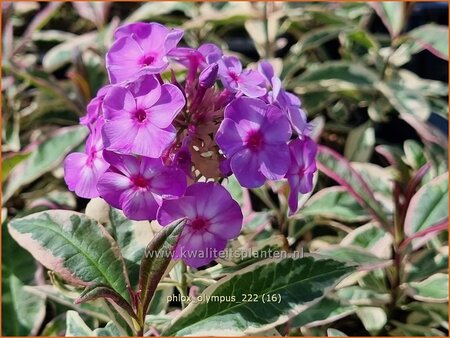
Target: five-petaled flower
point(138, 116)
point(254, 136)
point(137, 185)
point(213, 217)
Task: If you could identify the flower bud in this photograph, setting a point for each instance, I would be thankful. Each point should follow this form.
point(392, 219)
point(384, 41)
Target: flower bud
point(208, 76)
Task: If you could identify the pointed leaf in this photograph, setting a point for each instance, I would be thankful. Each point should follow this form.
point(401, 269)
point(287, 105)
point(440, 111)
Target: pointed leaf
point(102, 291)
point(428, 207)
point(73, 245)
point(22, 311)
point(326, 311)
point(433, 38)
point(156, 260)
point(280, 289)
point(76, 327)
point(335, 203)
point(338, 168)
point(433, 289)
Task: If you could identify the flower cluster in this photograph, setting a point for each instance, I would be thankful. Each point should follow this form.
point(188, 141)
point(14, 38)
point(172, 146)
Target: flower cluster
point(157, 131)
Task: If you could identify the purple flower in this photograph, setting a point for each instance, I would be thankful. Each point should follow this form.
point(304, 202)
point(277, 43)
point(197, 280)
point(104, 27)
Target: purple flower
point(213, 217)
point(302, 168)
point(287, 102)
point(138, 185)
point(254, 136)
point(205, 55)
point(235, 79)
point(140, 46)
point(83, 170)
point(94, 109)
point(138, 117)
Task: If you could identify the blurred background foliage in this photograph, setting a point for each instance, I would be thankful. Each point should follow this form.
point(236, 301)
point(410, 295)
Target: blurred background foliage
point(372, 78)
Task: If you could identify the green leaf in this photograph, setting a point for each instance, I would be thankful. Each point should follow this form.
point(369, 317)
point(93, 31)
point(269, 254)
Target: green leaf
point(337, 167)
point(109, 330)
point(100, 291)
point(353, 254)
point(22, 311)
point(431, 37)
point(335, 203)
point(8, 163)
point(132, 237)
point(357, 295)
point(425, 263)
point(433, 312)
point(317, 37)
point(73, 245)
point(335, 333)
point(429, 206)
point(151, 10)
point(294, 284)
point(63, 53)
point(337, 75)
point(409, 330)
point(373, 318)
point(76, 327)
point(360, 143)
point(48, 156)
point(414, 154)
point(405, 100)
point(155, 262)
point(432, 289)
point(392, 15)
point(370, 237)
point(324, 312)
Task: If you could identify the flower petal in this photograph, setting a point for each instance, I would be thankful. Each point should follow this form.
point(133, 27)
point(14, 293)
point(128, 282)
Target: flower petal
point(119, 135)
point(123, 59)
point(169, 104)
point(146, 91)
point(229, 137)
point(140, 205)
point(274, 161)
point(172, 210)
point(118, 104)
point(276, 127)
point(111, 187)
point(169, 182)
point(151, 141)
point(245, 165)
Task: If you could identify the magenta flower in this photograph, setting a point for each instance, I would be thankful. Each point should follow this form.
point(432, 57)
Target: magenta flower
point(83, 170)
point(138, 117)
point(203, 56)
point(249, 82)
point(254, 136)
point(213, 217)
point(138, 185)
point(287, 102)
point(94, 109)
point(302, 168)
point(140, 47)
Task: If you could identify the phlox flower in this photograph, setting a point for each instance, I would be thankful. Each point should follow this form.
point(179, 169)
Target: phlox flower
point(138, 116)
point(83, 170)
point(137, 185)
point(303, 166)
point(213, 217)
point(233, 78)
point(254, 136)
point(287, 102)
point(94, 109)
point(140, 47)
